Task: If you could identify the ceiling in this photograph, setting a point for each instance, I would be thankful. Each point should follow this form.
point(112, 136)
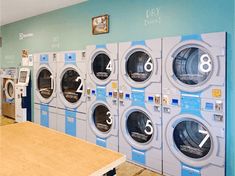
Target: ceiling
point(15, 10)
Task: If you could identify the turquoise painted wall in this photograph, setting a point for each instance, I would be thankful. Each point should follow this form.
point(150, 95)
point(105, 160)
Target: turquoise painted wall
point(70, 28)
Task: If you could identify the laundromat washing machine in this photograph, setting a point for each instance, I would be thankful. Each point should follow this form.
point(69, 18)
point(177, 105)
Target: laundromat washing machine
point(45, 100)
point(140, 136)
point(194, 85)
point(9, 79)
point(71, 102)
point(102, 95)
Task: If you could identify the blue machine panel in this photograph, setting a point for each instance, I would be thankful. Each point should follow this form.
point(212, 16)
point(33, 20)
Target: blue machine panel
point(44, 115)
point(175, 102)
point(138, 97)
point(190, 171)
point(134, 43)
point(101, 142)
point(70, 58)
point(44, 58)
point(209, 106)
point(150, 99)
point(191, 104)
point(70, 122)
point(127, 96)
point(101, 93)
point(100, 46)
point(138, 156)
point(191, 37)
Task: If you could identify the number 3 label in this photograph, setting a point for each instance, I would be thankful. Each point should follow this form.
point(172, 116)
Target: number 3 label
point(110, 119)
point(148, 125)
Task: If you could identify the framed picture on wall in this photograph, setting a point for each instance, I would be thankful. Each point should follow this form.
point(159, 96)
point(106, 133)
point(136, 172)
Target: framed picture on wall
point(100, 24)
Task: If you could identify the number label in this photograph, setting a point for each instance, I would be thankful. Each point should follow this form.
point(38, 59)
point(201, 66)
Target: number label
point(52, 82)
point(110, 119)
point(205, 138)
point(205, 63)
point(148, 66)
point(79, 89)
point(148, 125)
point(109, 66)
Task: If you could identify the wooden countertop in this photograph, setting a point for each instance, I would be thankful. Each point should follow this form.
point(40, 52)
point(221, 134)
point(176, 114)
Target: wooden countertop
point(27, 149)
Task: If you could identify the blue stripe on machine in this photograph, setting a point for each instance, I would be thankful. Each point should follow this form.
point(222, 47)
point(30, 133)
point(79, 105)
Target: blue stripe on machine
point(100, 46)
point(191, 104)
point(138, 97)
point(70, 58)
point(190, 171)
point(191, 37)
point(44, 115)
point(138, 156)
point(101, 93)
point(142, 42)
point(70, 122)
point(101, 142)
point(43, 58)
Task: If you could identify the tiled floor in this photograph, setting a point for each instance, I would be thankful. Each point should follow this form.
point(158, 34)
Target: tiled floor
point(126, 169)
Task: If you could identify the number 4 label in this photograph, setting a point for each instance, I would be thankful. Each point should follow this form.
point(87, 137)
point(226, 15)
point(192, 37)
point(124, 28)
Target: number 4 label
point(109, 66)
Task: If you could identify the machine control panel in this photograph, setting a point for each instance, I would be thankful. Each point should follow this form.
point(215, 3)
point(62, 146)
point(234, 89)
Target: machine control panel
point(157, 99)
point(216, 93)
point(165, 100)
point(218, 117)
point(175, 102)
point(218, 105)
point(209, 106)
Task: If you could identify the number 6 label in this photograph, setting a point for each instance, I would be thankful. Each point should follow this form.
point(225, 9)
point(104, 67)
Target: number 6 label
point(148, 66)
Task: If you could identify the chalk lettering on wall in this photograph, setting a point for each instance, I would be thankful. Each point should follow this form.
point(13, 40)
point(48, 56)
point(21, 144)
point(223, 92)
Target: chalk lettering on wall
point(23, 36)
point(152, 16)
point(55, 42)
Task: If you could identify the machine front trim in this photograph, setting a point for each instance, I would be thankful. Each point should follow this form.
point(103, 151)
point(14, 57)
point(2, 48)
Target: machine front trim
point(211, 157)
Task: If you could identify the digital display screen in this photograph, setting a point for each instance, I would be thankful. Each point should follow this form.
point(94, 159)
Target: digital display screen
point(23, 76)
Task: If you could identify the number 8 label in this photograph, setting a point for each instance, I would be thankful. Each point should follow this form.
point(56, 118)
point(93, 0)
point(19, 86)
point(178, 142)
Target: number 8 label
point(205, 63)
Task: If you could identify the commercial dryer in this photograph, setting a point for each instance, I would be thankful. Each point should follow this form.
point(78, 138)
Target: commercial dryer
point(102, 95)
point(140, 132)
point(45, 100)
point(194, 105)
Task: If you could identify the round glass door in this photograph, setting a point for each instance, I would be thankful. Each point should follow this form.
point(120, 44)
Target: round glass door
point(139, 66)
point(102, 118)
point(71, 85)
point(102, 66)
point(45, 83)
point(192, 139)
point(139, 127)
point(10, 90)
point(192, 66)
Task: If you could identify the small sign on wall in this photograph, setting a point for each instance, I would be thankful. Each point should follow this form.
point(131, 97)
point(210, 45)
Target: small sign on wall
point(100, 24)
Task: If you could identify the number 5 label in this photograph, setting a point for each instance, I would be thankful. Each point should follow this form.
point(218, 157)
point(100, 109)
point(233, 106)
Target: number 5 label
point(148, 125)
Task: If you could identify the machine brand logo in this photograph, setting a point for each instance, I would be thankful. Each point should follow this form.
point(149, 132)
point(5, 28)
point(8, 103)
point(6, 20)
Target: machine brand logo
point(23, 36)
